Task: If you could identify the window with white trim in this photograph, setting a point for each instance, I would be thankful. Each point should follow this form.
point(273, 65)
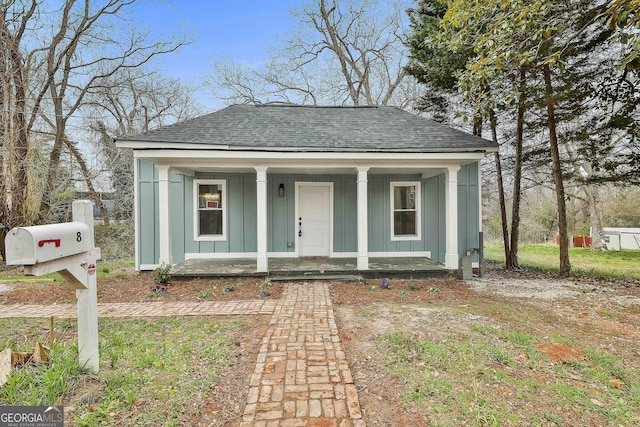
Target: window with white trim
point(210, 209)
point(405, 210)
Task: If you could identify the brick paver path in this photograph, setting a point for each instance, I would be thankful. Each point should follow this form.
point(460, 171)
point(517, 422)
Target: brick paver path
point(302, 377)
point(147, 309)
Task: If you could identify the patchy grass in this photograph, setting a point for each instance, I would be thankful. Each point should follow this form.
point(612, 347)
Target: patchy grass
point(152, 371)
point(116, 268)
point(494, 374)
point(585, 262)
point(9, 275)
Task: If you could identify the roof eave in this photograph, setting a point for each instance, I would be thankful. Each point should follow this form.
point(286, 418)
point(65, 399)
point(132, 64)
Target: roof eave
point(163, 145)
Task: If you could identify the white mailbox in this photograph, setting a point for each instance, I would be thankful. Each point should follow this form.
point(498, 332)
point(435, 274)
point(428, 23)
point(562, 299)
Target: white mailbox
point(68, 249)
point(42, 243)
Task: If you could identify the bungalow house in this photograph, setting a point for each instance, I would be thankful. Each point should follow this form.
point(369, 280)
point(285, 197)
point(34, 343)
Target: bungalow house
point(272, 181)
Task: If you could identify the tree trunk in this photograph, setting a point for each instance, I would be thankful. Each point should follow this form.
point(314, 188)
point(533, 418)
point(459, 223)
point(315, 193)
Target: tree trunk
point(503, 206)
point(517, 176)
point(595, 217)
point(565, 265)
point(54, 156)
point(87, 178)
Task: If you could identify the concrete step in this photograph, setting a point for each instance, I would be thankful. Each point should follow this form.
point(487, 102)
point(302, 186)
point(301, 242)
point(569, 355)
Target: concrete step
point(315, 276)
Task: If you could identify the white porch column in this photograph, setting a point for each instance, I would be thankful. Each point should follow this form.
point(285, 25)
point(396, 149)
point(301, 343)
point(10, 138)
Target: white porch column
point(164, 214)
point(262, 263)
point(363, 222)
point(451, 218)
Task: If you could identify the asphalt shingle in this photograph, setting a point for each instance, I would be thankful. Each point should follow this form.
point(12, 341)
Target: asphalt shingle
point(311, 128)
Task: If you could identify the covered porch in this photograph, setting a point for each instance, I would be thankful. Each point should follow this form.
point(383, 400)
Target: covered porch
point(314, 268)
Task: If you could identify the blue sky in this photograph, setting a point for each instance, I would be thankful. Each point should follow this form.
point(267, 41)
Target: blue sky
point(240, 30)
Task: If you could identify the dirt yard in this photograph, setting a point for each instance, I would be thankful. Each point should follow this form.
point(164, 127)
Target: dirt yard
point(605, 316)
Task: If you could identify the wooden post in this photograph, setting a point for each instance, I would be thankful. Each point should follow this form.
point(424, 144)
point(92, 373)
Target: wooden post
point(88, 297)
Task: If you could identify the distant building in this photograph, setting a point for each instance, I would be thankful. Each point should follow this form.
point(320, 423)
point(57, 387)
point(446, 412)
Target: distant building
point(617, 239)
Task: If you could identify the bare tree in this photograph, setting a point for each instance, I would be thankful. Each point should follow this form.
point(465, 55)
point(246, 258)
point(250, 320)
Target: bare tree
point(52, 56)
point(341, 53)
point(14, 141)
point(132, 101)
point(82, 57)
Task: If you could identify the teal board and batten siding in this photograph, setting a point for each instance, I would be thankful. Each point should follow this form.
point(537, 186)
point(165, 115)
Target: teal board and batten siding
point(282, 230)
point(468, 209)
point(433, 213)
point(148, 232)
point(282, 235)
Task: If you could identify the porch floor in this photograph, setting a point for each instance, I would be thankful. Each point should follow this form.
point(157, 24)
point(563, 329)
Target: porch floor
point(313, 268)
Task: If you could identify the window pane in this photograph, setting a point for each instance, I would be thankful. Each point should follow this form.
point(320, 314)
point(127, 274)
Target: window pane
point(211, 222)
point(210, 196)
point(404, 223)
point(404, 197)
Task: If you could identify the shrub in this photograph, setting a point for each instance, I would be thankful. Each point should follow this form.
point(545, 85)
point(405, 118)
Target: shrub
point(162, 274)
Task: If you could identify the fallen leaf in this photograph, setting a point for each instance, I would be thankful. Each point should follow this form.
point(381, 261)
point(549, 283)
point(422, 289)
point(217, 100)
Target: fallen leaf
point(615, 383)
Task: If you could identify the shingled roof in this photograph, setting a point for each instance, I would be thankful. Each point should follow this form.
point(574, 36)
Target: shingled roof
point(275, 127)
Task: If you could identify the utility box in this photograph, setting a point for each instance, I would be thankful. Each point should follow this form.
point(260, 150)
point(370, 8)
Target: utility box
point(42, 243)
point(465, 271)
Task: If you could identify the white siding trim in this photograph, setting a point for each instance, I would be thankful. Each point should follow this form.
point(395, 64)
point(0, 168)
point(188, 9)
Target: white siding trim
point(417, 254)
point(204, 151)
point(418, 202)
point(136, 219)
point(196, 213)
point(221, 255)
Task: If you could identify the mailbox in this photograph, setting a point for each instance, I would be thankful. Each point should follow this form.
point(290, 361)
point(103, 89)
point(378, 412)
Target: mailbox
point(42, 243)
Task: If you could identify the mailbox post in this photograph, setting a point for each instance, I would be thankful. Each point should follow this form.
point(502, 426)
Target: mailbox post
point(67, 248)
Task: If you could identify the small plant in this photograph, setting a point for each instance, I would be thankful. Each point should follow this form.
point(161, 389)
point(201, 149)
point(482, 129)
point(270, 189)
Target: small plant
point(205, 295)
point(374, 288)
point(413, 287)
point(161, 274)
point(228, 288)
point(265, 294)
point(131, 397)
point(266, 285)
point(434, 290)
point(403, 293)
point(159, 291)
point(385, 283)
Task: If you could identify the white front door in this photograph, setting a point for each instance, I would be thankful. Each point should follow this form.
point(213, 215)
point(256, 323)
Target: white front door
point(313, 219)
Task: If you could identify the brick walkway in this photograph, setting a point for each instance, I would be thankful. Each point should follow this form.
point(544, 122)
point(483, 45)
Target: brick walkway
point(147, 309)
point(302, 377)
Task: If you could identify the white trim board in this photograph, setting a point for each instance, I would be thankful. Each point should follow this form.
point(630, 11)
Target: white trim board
point(417, 254)
point(254, 255)
point(221, 255)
